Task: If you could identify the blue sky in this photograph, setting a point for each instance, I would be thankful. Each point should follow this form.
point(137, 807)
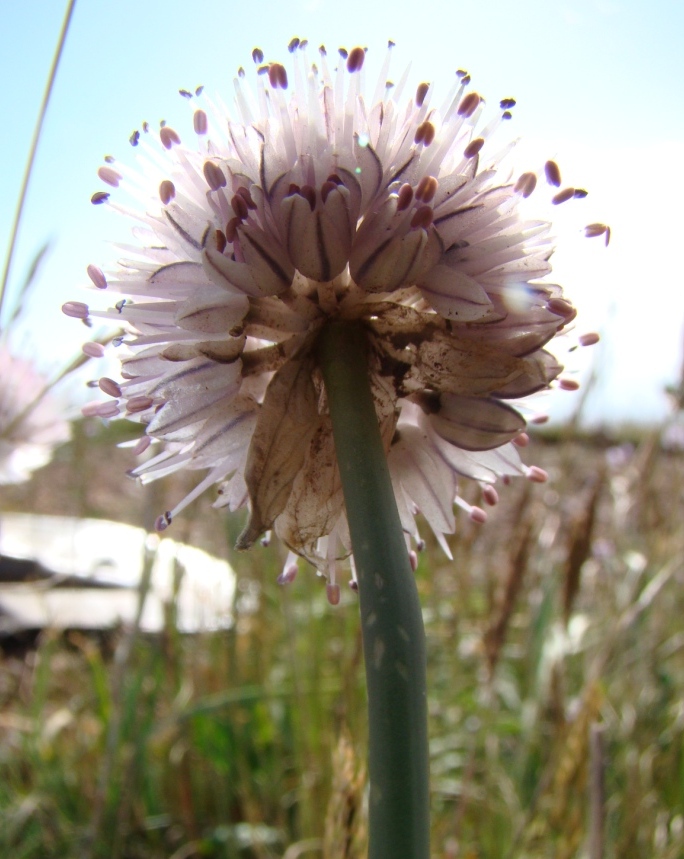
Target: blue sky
point(598, 84)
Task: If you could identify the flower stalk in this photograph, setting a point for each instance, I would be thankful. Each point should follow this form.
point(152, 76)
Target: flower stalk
point(391, 618)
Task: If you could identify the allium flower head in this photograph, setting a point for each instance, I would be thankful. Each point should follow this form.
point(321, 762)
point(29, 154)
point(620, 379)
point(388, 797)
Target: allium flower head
point(308, 202)
point(31, 423)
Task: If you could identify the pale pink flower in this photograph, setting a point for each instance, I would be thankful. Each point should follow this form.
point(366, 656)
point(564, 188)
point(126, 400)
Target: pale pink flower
point(308, 202)
point(31, 422)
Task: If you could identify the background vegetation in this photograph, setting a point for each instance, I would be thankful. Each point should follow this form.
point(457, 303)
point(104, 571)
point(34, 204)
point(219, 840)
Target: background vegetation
point(556, 669)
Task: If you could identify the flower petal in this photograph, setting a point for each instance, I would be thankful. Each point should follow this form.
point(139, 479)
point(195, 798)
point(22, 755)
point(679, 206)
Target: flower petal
point(455, 295)
point(539, 369)
point(318, 241)
point(212, 312)
point(475, 423)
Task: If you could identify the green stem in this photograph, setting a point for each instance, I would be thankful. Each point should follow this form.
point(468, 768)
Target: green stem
point(34, 147)
point(391, 618)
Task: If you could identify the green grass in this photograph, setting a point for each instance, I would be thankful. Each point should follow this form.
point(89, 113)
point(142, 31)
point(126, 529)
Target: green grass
point(222, 745)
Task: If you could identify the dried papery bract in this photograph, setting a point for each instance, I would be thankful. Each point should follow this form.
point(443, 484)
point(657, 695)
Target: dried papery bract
point(311, 203)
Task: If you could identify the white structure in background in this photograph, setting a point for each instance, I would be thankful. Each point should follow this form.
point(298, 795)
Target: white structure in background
point(103, 552)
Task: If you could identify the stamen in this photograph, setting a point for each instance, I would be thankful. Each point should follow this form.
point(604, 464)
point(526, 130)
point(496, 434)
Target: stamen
point(426, 190)
point(425, 133)
point(109, 176)
point(214, 176)
point(231, 230)
point(535, 474)
point(168, 137)
point(561, 307)
point(422, 217)
point(332, 591)
point(139, 404)
point(143, 443)
point(247, 197)
point(99, 197)
point(568, 384)
point(469, 104)
point(277, 76)
point(110, 387)
point(552, 172)
point(593, 230)
point(490, 495)
point(590, 339)
point(421, 92)
point(355, 61)
point(257, 56)
point(326, 188)
point(405, 198)
point(477, 515)
point(526, 183)
point(97, 276)
point(507, 103)
point(289, 571)
point(309, 195)
point(93, 350)
point(473, 147)
point(563, 196)
point(200, 122)
point(101, 410)
point(167, 191)
point(239, 207)
point(162, 522)
point(75, 309)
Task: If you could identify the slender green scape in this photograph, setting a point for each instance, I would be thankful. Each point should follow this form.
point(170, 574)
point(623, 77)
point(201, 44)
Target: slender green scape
point(391, 617)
